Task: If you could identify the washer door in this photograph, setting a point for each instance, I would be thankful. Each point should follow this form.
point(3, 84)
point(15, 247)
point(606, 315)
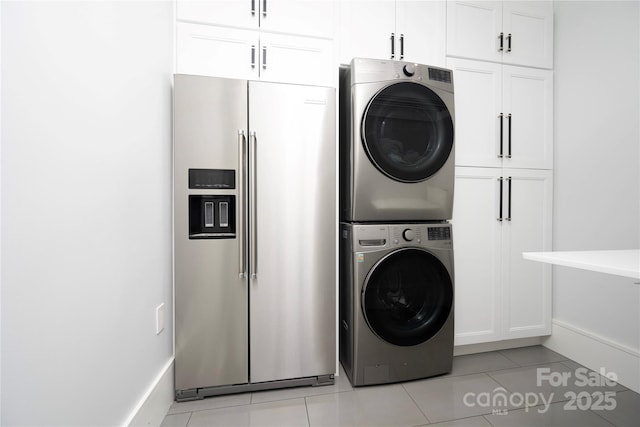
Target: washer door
point(407, 297)
point(407, 132)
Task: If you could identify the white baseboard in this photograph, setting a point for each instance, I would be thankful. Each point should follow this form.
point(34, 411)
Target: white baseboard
point(596, 352)
point(461, 350)
point(155, 403)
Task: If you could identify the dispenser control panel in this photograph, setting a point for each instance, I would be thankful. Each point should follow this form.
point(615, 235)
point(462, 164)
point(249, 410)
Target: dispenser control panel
point(212, 216)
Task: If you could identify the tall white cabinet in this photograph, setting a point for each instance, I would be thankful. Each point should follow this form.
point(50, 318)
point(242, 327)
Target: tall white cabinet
point(275, 40)
point(501, 55)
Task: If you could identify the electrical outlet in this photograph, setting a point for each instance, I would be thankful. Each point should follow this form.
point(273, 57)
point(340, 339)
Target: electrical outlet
point(159, 319)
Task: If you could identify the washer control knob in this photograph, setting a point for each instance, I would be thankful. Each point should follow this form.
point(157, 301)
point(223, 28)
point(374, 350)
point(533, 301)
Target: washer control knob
point(409, 234)
point(409, 70)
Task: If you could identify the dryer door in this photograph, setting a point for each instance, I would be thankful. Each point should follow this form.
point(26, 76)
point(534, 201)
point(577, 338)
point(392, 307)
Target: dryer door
point(407, 132)
point(407, 297)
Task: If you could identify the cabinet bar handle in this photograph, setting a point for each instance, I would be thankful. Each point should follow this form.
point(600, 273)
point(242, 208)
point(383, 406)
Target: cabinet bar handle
point(401, 46)
point(253, 56)
point(393, 45)
point(242, 229)
point(501, 46)
point(509, 43)
point(509, 133)
point(500, 203)
point(253, 7)
point(508, 218)
point(264, 8)
point(501, 117)
point(264, 57)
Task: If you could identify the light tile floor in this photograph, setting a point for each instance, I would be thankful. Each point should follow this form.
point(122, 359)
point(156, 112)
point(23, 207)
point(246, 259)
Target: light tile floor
point(502, 388)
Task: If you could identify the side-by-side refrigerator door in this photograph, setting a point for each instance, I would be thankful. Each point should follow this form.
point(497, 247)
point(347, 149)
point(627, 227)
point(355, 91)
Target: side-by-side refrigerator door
point(211, 295)
point(292, 210)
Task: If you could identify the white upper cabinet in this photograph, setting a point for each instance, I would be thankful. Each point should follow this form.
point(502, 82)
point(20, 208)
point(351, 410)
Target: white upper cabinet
point(211, 50)
point(504, 115)
point(236, 13)
point(393, 29)
point(291, 59)
point(288, 41)
point(528, 29)
point(421, 26)
point(303, 17)
point(512, 32)
point(366, 29)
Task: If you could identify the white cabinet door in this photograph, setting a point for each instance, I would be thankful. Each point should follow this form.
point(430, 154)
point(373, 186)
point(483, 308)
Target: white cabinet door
point(473, 29)
point(504, 115)
point(478, 102)
point(246, 54)
point(216, 51)
point(366, 28)
point(234, 13)
point(526, 293)
point(499, 295)
point(421, 31)
point(306, 17)
point(528, 28)
point(477, 254)
point(292, 59)
point(528, 122)
point(514, 32)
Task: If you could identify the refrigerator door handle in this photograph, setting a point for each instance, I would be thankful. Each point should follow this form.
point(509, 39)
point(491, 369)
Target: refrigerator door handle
point(253, 223)
point(242, 185)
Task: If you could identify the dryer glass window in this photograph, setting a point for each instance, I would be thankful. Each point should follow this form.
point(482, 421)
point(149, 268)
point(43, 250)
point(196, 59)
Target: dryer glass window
point(407, 297)
point(407, 131)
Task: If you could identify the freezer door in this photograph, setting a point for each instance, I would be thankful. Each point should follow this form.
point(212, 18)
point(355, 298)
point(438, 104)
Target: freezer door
point(211, 299)
point(293, 219)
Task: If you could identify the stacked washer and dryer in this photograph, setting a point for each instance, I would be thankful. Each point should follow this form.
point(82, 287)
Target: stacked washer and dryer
point(396, 197)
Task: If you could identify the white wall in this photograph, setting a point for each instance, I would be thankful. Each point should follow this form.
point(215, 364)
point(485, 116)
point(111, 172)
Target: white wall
point(86, 208)
point(597, 162)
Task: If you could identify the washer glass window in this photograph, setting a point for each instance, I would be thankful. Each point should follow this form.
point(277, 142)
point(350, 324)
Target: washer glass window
point(407, 297)
point(407, 131)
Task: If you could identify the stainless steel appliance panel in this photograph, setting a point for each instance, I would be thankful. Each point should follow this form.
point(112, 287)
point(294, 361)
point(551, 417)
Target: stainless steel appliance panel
point(292, 231)
point(411, 265)
point(397, 141)
point(211, 299)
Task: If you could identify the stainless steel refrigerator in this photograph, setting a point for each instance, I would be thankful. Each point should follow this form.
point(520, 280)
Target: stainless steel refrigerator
point(254, 235)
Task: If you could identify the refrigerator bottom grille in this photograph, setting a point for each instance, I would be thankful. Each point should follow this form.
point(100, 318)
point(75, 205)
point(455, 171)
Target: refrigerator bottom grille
point(201, 393)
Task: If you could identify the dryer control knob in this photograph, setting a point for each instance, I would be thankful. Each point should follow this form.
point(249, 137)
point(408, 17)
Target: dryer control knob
point(409, 234)
point(409, 70)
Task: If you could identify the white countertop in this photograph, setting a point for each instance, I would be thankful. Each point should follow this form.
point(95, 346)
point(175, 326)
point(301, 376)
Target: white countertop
point(621, 262)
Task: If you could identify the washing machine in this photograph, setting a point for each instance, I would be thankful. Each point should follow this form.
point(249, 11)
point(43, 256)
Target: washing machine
point(396, 301)
point(396, 141)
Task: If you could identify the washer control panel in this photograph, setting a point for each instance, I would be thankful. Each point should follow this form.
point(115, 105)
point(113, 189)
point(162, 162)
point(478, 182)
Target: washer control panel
point(374, 237)
point(419, 234)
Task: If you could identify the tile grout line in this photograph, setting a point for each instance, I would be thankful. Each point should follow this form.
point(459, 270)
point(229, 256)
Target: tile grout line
point(601, 417)
point(416, 403)
point(306, 407)
point(484, 417)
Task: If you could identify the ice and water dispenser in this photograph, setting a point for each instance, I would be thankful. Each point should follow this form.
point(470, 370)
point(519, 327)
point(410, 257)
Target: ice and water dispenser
point(212, 216)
